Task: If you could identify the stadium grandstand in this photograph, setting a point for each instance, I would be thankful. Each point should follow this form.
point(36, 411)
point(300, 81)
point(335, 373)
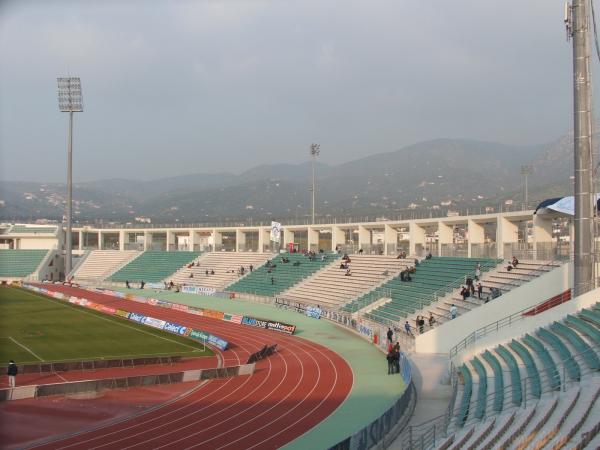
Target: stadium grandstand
point(509, 359)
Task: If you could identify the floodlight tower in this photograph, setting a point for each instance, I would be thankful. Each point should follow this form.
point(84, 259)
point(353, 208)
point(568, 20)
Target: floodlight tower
point(69, 100)
point(526, 171)
point(315, 150)
point(577, 20)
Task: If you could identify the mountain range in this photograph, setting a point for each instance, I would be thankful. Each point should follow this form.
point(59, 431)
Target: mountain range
point(434, 176)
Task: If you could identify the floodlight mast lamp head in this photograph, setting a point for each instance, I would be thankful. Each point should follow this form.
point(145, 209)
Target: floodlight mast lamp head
point(315, 149)
point(70, 98)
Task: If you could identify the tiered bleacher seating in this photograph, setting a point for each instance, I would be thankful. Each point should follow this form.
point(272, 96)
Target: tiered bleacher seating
point(332, 288)
point(558, 411)
point(226, 266)
point(499, 277)
point(270, 282)
point(153, 266)
point(20, 263)
point(434, 278)
point(99, 264)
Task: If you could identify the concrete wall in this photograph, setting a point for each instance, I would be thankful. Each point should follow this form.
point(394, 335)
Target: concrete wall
point(37, 243)
point(529, 324)
point(447, 335)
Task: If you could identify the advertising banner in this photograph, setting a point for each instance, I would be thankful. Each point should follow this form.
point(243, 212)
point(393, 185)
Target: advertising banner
point(251, 321)
point(107, 310)
point(234, 318)
point(155, 323)
point(155, 285)
point(281, 327)
point(217, 342)
point(199, 290)
point(314, 312)
point(175, 328)
point(213, 314)
point(121, 313)
point(179, 307)
point(275, 231)
point(136, 317)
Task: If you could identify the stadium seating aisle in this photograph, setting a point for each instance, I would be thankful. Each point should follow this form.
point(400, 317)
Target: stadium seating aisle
point(331, 287)
point(433, 278)
point(534, 373)
point(99, 264)
point(20, 263)
point(153, 266)
point(270, 281)
point(225, 266)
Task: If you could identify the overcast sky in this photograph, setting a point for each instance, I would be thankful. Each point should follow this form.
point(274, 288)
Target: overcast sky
point(177, 87)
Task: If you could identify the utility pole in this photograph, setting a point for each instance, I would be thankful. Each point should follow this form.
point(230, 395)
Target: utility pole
point(577, 21)
point(315, 149)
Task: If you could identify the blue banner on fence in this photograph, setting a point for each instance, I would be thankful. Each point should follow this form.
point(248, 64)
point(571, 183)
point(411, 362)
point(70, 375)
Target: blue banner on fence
point(175, 328)
point(314, 312)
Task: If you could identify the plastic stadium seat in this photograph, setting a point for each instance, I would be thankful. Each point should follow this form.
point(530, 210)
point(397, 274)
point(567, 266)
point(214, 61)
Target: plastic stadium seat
point(532, 372)
point(498, 380)
point(153, 266)
point(570, 365)
point(515, 376)
point(465, 403)
point(582, 347)
point(481, 389)
point(547, 361)
point(20, 263)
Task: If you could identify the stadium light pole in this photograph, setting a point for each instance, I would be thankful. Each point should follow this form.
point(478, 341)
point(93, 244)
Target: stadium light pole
point(577, 19)
point(315, 150)
point(526, 171)
point(69, 100)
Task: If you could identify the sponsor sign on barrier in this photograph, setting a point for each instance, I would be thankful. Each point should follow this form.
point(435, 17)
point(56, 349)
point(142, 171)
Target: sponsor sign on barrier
point(314, 312)
point(155, 285)
point(179, 307)
point(251, 321)
point(107, 309)
point(363, 329)
point(136, 317)
point(121, 313)
point(175, 328)
point(213, 314)
point(217, 342)
point(199, 290)
point(234, 318)
point(155, 323)
point(199, 335)
point(281, 327)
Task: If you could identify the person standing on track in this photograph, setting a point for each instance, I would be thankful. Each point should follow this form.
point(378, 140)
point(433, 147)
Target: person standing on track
point(390, 335)
point(12, 374)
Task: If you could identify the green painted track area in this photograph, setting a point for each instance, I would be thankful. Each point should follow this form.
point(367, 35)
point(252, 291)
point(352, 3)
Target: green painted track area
point(373, 391)
point(35, 328)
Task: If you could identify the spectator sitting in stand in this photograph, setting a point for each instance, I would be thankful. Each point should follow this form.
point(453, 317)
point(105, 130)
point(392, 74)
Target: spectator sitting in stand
point(212, 272)
point(515, 261)
point(431, 320)
point(348, 273)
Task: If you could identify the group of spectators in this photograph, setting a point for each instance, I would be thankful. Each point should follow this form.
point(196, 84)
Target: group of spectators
point(393, 354)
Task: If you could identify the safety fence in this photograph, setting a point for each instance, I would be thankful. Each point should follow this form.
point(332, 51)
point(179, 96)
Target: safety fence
point(90, 386)
point(383, 430)
point(95, 364)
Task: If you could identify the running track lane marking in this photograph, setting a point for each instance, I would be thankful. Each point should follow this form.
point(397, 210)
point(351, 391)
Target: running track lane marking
point(249, 337)
point(304, 351)
point(26, 348)
point(118, 420)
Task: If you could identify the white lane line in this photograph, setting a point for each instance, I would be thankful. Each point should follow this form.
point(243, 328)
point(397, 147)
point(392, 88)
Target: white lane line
point(26, 348)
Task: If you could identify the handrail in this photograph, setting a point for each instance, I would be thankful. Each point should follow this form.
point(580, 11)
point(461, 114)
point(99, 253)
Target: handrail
point(424, 435)
point(498, 324)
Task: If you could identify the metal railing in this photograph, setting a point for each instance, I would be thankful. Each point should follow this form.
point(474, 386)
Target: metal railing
point(506, 321)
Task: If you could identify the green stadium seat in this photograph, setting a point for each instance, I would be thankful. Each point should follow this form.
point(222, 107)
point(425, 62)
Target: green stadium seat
point(570, 365)
point(463, 411)
point(549, 365)
point(153, 266)
point(583, 348)
point(532, 372)
point(498, 380)
point(481, 389)
point(513, 370)
point(282, 277)
point(20, 263)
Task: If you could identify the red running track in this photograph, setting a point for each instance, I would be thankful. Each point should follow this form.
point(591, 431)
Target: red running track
point(289, 393)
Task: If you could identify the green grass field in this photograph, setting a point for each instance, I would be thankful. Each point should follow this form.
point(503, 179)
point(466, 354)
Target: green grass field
point(36, 328)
